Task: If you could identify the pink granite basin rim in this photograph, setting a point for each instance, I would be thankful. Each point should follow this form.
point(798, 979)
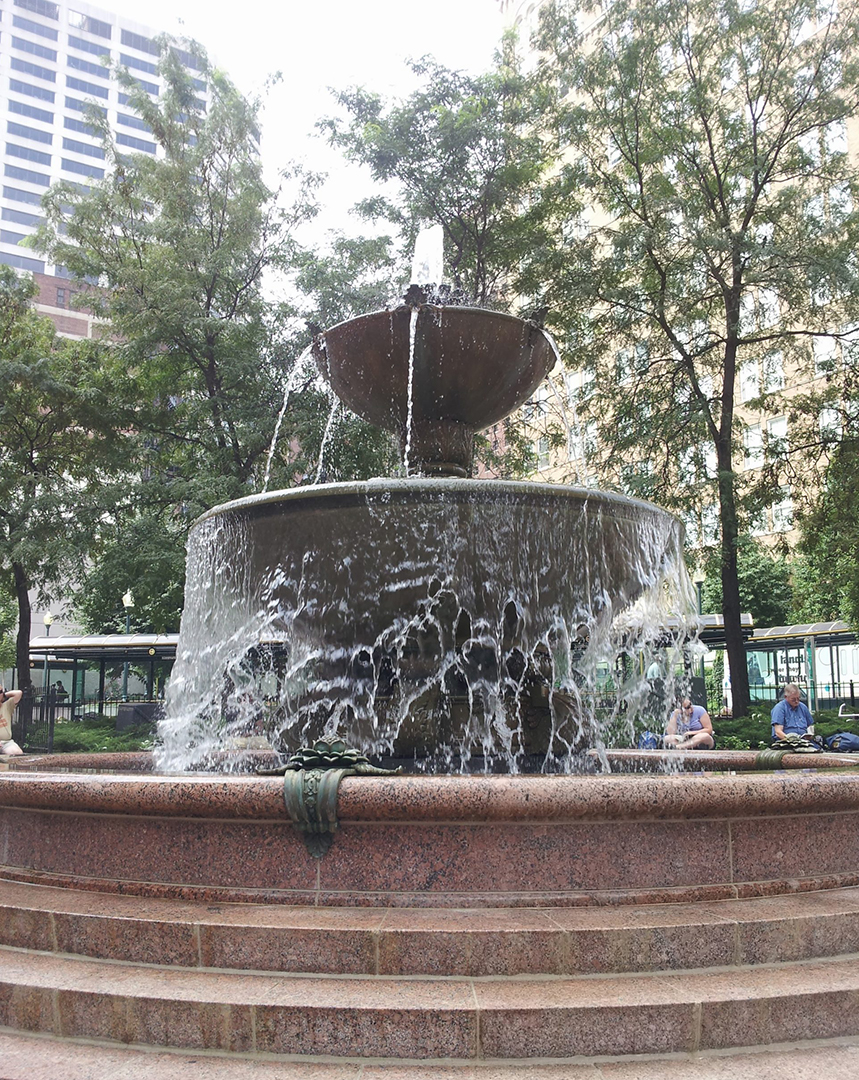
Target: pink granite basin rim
point(444, 798)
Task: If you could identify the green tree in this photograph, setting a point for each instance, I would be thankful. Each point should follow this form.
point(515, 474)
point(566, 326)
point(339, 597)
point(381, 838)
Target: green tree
point(704, 217)
point(64, 450)
point(8, 623)
point(142, 551)
point(182, 242)
point(827, 571)
point(462, 152)
point(764, 579)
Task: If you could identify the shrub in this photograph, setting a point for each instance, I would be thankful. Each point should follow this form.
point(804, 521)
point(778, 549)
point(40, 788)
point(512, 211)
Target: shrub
point(98, 734)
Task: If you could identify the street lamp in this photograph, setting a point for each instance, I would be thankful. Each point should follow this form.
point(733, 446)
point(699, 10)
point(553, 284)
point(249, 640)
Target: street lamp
point(128, 604)
point(48, 620)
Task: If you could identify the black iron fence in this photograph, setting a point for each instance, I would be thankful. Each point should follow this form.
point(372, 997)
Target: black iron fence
point(33, 722)
point(817, 696)
point(38, 713)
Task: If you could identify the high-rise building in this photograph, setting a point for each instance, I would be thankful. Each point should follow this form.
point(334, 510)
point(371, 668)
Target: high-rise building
point(56, 59)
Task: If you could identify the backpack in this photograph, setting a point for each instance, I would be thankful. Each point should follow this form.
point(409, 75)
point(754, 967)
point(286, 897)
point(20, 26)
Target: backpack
point(648, 741)
point(843, 742)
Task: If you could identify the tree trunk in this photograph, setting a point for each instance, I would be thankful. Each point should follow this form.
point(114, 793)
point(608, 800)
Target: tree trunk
point(734, 643)
point(22, 645)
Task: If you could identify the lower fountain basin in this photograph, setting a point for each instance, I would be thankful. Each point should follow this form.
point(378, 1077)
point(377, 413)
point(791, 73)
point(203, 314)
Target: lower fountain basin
point(379, 609)
point(438, 841)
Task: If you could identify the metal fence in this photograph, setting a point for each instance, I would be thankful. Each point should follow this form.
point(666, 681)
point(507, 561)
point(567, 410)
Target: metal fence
point(38, 713)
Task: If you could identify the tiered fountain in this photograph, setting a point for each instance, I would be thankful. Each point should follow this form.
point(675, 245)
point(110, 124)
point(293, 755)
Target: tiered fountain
point(458, 626)
point(453, 623)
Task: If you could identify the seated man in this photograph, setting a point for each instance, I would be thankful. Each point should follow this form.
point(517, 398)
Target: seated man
point(689, 728)
point(8, 703)
point(790, 715)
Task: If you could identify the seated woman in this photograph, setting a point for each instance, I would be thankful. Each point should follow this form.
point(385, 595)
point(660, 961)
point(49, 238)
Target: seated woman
point(8, 703)
point(689, 728)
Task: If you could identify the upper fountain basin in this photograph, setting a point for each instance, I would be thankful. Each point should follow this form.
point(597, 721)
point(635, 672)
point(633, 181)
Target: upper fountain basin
point(471, 366)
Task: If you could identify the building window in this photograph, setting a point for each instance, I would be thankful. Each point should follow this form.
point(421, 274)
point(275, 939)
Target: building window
point(824, 351)
point(35, 28)
point(777, 434)
point(830, 424)
point(749, 387)
point(79, 125)
point(188, 59)
point(98, 70)
point(40, 7)
point(23, 109)
point(21, 262)
point(82, 106)
point(783, 511)
point(753, 446)
point(19, 195)
point(89, 24)
point(61, 297)
point(134, 62)
point(88, 46)
point(710, 529)
point(83, 148)
point(82, 168)
point(139, 42)
point(20, 217)
point(543, 452)
point(133, 121)
point(14, 172)
point(28, 153)
point(773, 372)
point(86, 87)
point(36, 50)
point(136, 144)
point(36, 70)
point(24, 132)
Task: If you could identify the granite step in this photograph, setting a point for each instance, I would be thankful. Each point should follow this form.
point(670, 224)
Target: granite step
point(428, 1019)
point(27, 1057)
point(433, 942)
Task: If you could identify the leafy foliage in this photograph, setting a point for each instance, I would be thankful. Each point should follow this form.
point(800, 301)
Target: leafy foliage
point(461, 152)
point(63, 449)
point(182, 242)
point(764, 579)
point(827, 572)
point(98, 734)
point(704, 217)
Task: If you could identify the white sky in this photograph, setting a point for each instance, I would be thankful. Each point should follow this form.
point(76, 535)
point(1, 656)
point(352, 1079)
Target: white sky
point(317, 44)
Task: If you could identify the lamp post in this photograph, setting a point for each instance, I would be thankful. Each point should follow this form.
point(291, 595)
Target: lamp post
point(48, 620)
point(128, 604)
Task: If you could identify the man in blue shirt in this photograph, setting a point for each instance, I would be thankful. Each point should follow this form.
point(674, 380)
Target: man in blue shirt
point(790, 716)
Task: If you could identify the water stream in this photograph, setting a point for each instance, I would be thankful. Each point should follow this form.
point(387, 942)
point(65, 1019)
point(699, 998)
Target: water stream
point(292, 378)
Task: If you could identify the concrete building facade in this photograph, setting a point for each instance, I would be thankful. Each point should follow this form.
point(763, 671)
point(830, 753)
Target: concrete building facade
point(56, 60)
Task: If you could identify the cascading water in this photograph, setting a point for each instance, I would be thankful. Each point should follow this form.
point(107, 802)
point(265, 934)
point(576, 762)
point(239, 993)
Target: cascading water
point(456, 623)
point(466, 624)
point(287, 391)
point(413, 326)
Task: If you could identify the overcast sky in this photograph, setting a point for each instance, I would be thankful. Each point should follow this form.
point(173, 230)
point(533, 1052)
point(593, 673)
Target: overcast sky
point(317, 44)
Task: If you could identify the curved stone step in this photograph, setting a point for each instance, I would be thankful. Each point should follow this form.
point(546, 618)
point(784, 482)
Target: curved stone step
point(402, 941)
point(421, 1019)
point(26, 1057)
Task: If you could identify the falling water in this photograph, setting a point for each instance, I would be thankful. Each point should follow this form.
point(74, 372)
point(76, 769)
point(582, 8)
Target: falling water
point(468, 625)
point(413, 326)
point(329, 427)
point(290, 386)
